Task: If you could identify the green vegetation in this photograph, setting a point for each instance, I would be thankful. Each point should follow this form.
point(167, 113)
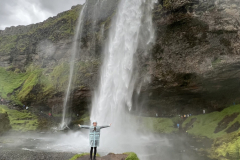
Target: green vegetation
point(7, 43)
point(226, 147)
point(222, 127)
point(36, 83)
point(206, 124)
point(30, 82)
point(81, 155)
point(159, 125)
point(131, 156)
point(4, 123)
point(10, 81)
point(78, 156)
point(56, 28)
point(167, 4)
point(20, 121)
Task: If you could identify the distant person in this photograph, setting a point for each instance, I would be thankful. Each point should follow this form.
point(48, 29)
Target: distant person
point(49, 114)
point(187, 115)
point(178, 125)
point(2, 101)
point(23, 106)
point(27, 108)
point(204, 111)
point(94, 136)
point(156, 115)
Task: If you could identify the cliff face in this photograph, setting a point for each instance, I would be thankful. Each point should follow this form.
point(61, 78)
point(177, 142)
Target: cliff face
point(193, 62)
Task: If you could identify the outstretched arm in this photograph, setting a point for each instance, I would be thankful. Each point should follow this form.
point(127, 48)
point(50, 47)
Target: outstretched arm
point(84, 126)
point(105, 126)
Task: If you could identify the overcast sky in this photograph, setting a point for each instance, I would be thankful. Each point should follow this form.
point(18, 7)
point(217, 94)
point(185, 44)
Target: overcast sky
point(24, 12)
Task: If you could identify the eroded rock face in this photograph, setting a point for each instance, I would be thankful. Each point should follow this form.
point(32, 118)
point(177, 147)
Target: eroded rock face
point(4, 123)
point(197, 42)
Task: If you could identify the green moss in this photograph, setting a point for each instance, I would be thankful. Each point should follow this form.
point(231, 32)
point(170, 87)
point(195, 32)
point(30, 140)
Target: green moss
point(78, 156)
point(10, 81)
point(37, 83)
point(30, 82)
point(20, 120)
point(131, 156)
point(159, 125)
point(7, 43)
point(226, 147)
point(206, 124)
point(167, 4)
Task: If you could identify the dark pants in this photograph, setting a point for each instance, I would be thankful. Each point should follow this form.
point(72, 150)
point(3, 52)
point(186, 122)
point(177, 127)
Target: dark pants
point(95, 151)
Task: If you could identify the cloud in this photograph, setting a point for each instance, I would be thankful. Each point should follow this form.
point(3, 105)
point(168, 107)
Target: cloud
point(24, 12)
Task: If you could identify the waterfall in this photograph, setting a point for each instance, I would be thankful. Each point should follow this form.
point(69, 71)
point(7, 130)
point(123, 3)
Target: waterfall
point(76, 48)
point(113, 99)
point(74, 51)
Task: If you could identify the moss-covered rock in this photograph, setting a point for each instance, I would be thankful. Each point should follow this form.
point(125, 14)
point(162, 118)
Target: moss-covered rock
point(20, 120)
point(226, 147)
point(4, 123)
point(157, 125)
point(126, 156)
point(131, 156)
point(205, 125)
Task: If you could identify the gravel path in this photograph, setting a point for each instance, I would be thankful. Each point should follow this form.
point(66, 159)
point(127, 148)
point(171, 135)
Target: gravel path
point(30, 155)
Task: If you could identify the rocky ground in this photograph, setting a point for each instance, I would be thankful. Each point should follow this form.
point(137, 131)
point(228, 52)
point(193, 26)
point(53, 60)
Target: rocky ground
point(110, 156)
point(29, 155)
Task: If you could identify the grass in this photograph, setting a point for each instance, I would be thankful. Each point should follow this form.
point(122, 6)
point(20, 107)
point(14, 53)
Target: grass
point(159, 125)
point(226, 147)
point(20, 120)
point(33, 76)
point(206, 124)
point(131, 156)
point(78, 156)
point(18, 87)
point(10, 81)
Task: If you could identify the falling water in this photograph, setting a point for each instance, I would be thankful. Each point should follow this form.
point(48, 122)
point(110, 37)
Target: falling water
point(114, 96)
point(75, 47)
point(131, 29)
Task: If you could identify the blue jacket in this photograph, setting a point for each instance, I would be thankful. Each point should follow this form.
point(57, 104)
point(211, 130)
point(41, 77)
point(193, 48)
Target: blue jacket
point(94, 135)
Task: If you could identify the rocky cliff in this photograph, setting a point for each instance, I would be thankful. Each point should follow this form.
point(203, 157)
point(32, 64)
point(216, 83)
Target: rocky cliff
point(193, 65)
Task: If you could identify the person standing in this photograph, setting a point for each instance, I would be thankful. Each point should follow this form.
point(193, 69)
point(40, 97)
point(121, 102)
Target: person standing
point(94, 136)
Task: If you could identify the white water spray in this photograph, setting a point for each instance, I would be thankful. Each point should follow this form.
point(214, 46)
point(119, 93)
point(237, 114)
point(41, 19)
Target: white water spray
point(77, 36)
point(114, 97)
